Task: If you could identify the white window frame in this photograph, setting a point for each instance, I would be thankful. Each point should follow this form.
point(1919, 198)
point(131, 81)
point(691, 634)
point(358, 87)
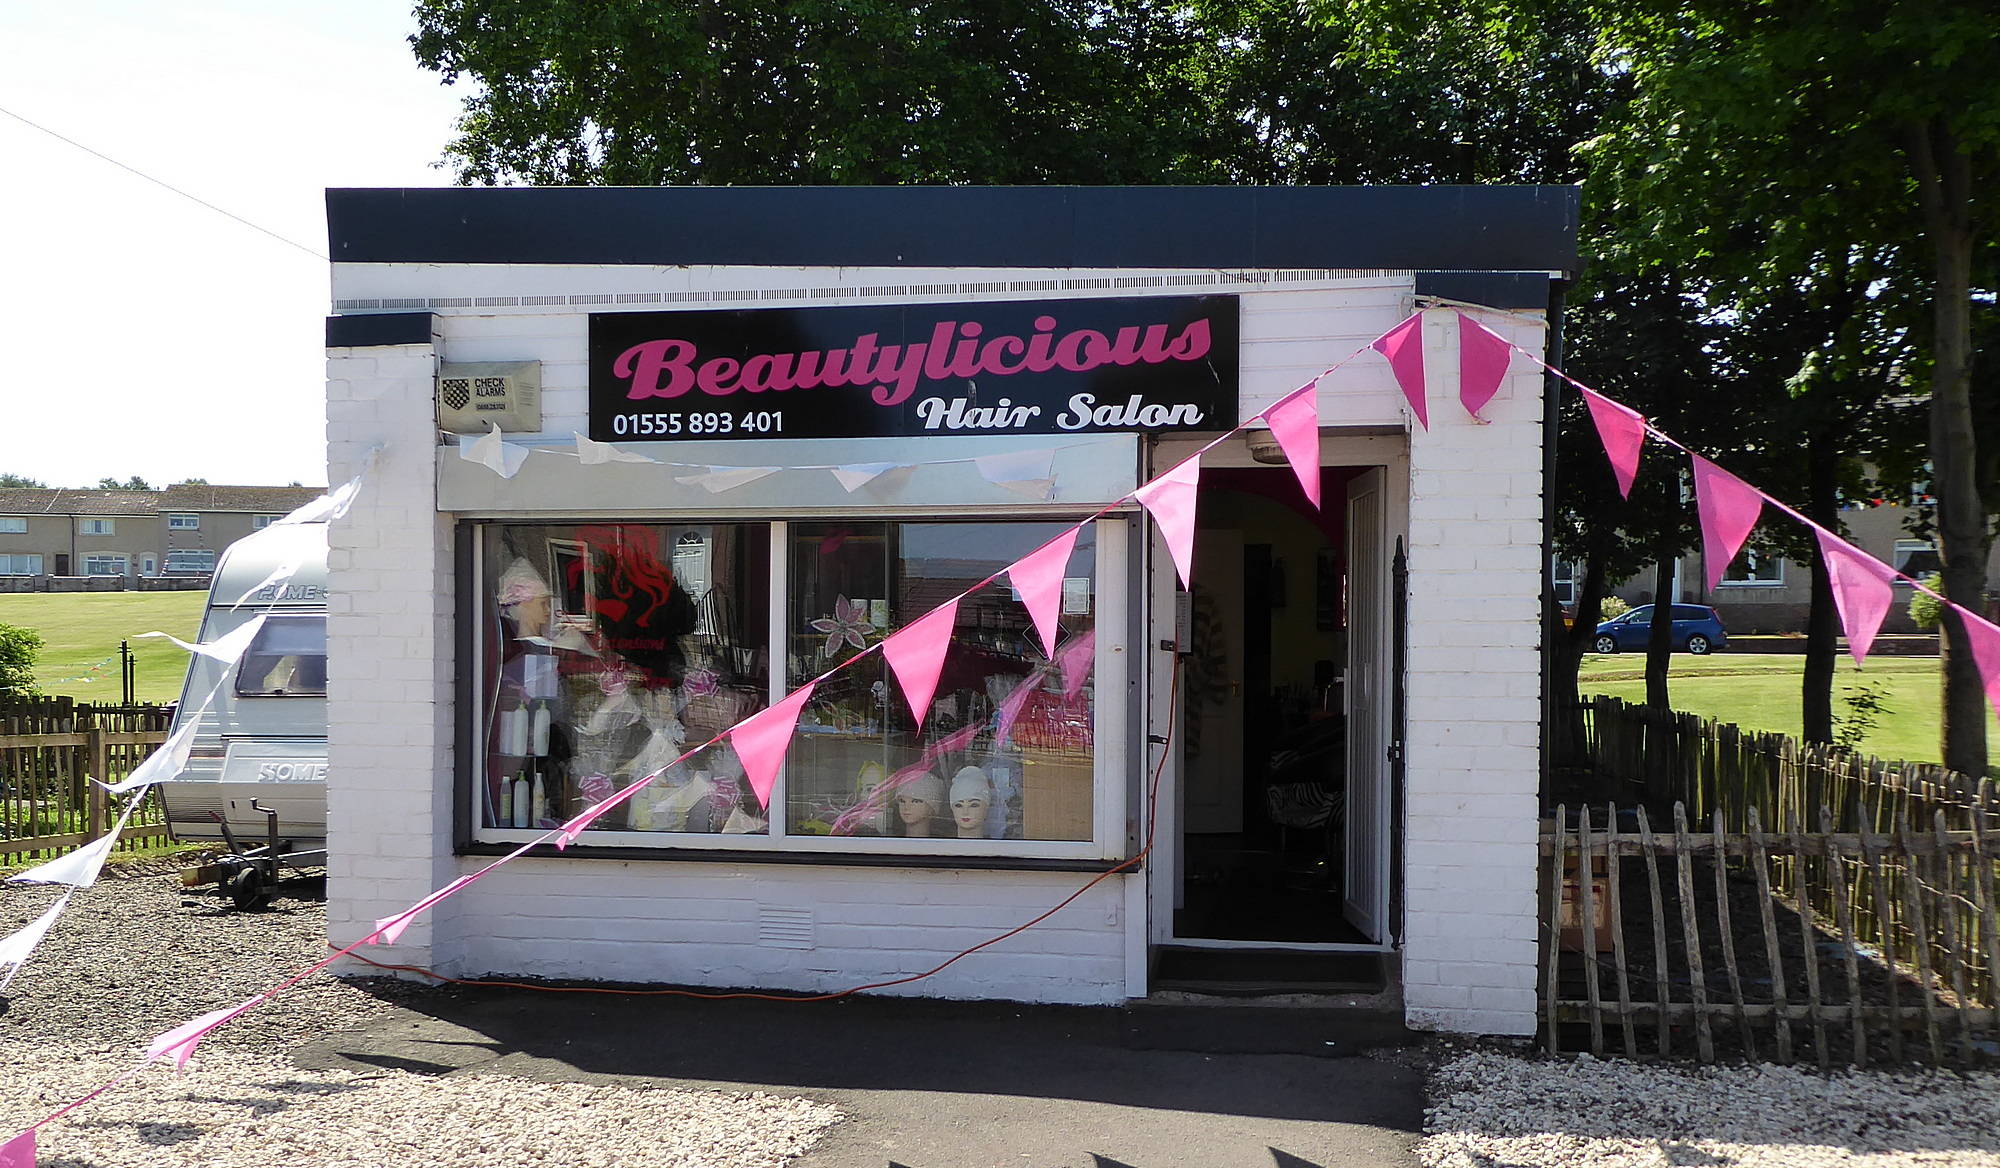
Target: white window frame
point(1750, 560)
point(171, 570)
point(1899, 557)
point(260, 522)
point(97, 526)
point(181, 521)
point(27, 563)
point(124, 564)
point(13, 525)
point(1109, 746)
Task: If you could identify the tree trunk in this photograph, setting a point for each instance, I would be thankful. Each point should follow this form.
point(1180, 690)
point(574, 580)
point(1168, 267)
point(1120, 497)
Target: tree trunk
point(1660, 642)
point(1944, 192)
point(1822, 619)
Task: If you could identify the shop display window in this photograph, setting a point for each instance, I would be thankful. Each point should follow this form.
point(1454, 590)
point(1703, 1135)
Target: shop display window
point(611, 648)
point(606, 650)
point(1004, 751)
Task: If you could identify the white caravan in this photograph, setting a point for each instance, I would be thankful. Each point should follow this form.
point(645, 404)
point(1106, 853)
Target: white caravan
point(261, 738)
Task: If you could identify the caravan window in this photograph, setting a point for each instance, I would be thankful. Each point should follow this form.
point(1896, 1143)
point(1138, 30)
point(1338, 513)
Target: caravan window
point(287, 659)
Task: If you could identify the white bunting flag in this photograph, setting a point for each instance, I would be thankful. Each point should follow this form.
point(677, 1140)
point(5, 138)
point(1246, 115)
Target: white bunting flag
point(16, 947)
point(495, 453)
point(164, 764)
point(855, 476)
point(591, 453)
point(1024, 472)
point(334, 504)
point(717, 479)
point(227, 649)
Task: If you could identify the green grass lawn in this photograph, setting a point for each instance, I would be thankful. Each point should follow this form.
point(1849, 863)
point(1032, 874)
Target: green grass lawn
point(1760, 691)
point(82, 629)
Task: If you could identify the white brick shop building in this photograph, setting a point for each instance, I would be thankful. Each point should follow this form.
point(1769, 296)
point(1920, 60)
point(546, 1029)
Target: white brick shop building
point(1342, 779)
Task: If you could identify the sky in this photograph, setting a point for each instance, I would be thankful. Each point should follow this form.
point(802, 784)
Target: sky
point(147, 335)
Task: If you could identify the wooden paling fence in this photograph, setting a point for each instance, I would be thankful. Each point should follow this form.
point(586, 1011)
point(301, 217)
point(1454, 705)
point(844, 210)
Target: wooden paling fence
point(50, 749)
point(1756, 897)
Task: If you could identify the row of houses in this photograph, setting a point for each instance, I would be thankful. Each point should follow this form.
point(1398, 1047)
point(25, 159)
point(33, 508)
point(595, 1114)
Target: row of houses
point(177, 531)
point(1763, 593)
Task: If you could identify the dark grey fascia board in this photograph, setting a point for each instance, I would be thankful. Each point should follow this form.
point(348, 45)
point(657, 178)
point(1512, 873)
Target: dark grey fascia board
point(369, 329)
point(1457, 228)
point(1525, 290)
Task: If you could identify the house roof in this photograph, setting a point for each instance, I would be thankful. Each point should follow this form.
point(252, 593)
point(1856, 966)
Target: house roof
point(213, 497)
point(66, 501)
point(185, 497)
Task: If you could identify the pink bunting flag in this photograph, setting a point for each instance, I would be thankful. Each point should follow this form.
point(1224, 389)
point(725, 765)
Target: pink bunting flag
point(1171, 501)
point(1729, 508)
point(178, 1044)
point(916, 653)
point(388, 928)
point(1623, 432)
point(1404, 347)
point(762, 739)
point(1294, 423)
point(1011, 707)
point(1983, 638)
point(1862, 590)
point(1077, 659)
point(1038, 577)
point(19, 1152)
point(1482, 363)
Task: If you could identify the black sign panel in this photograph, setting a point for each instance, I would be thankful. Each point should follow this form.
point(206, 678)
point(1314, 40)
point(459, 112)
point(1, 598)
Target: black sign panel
point(1151, 364)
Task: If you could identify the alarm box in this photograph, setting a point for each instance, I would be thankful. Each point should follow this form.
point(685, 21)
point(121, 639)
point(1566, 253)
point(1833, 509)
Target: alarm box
point(472, 397)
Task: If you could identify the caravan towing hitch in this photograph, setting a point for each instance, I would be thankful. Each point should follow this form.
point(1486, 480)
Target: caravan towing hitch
point(249, 878)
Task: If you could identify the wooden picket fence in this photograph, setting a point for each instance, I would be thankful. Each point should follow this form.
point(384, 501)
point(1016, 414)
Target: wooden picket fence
point(1756, 896)
point(50, 749)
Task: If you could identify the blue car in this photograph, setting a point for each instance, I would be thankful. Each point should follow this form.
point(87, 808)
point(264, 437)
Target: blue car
point(1697, 630)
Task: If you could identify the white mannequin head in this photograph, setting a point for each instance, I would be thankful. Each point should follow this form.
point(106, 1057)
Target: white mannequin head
point(918, 802)
point(971, 795)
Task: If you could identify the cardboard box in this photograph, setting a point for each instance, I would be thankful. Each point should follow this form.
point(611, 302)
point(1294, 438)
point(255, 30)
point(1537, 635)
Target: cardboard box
point(1057, 795)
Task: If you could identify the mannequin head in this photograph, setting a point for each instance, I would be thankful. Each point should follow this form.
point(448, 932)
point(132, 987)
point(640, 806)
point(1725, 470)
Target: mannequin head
point(971, 795)
point(877, 806)
point(919, 803)
point(525, 599)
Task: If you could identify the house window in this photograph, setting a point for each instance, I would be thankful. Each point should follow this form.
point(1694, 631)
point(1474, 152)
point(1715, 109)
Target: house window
point(20, 565)
point(260, 522)
point(1563, 574)
point(96, 527)
point(1916, 558)
point(609, 649)
point(1754, 569)
point(184, 523)
point(13, 525)
point(106, 565)
point(190, 562)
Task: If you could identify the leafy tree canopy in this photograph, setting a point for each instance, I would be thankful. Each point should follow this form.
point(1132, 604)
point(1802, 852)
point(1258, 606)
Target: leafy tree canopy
point(18, 650)
point(135, 483)
point(14, 480)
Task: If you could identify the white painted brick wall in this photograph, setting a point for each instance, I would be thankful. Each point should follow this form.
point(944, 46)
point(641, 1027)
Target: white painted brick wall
point(1474, 677)
point(1474, 516)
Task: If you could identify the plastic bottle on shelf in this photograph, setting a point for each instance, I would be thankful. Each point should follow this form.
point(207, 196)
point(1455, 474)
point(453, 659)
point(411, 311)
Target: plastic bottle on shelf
point(521, 797)
point(538, 733)
point(506, 813)
point(538, 802)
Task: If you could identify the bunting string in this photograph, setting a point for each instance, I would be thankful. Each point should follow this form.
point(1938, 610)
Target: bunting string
point(917, 651)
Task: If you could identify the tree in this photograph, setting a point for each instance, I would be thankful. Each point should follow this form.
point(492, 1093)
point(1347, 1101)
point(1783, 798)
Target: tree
point(135, 483)
point(640, 92)
point(14, 480)
point(1839, 127)
point(18, 649)
point(193, 483)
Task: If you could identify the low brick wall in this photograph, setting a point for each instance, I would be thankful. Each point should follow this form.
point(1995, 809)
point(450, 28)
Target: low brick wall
point(104, 583)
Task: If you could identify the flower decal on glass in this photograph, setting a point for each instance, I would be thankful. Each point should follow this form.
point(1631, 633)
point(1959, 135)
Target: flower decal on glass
point(702, 682)
point(848, 623)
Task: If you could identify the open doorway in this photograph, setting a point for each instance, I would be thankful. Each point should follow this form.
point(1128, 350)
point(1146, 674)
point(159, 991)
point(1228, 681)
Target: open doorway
point(1284, 781)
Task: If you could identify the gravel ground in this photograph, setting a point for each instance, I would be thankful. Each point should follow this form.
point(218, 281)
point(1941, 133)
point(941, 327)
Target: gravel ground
point(134, 957)
point(1491, 1110)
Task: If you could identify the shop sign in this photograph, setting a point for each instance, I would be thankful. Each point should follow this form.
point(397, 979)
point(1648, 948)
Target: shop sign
point(1147, 364)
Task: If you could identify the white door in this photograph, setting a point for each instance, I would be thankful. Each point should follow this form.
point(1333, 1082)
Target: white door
point(1365, 890)
point(1213, 674)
